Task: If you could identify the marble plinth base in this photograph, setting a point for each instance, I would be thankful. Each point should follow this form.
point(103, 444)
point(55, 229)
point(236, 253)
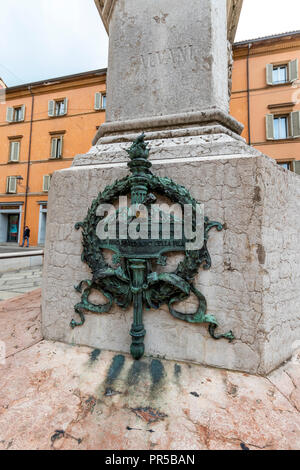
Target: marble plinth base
point(253, 285)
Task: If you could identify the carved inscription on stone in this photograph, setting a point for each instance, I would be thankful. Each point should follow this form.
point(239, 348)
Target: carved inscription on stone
point(176, 56)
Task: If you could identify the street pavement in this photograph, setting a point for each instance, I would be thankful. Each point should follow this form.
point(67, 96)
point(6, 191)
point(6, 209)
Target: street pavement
point(14, 283)
point(13, 248)
point(57, 396)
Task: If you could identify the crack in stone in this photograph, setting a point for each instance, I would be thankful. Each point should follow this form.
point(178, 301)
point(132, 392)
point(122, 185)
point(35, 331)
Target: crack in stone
point(283, 394)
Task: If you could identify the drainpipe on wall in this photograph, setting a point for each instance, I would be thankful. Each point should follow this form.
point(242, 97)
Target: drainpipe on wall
point(248, 93)
point(29, 159)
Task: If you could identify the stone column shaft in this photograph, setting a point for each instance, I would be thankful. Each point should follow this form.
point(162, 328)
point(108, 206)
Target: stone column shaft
point(167, 65)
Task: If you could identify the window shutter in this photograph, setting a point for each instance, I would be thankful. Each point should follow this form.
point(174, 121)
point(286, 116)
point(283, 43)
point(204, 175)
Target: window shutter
point(51, 108)
point(66, 105)
point(98, 101)
point(293, 70)
point(269, 72)
point(11, 151)
point(60, 144)
point(53, 147)
point(270, 126)
point(22, 113)
point(297, 166)
point(16, 154)
point(10, 114)
point(295, 124)
point(46, 183)
point(12, 184)
point(14, 151)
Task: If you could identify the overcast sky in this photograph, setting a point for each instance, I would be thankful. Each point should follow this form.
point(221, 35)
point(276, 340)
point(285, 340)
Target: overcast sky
point(43, 39)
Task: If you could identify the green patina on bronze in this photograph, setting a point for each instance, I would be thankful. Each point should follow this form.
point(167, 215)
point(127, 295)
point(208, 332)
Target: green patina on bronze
point(133, 280)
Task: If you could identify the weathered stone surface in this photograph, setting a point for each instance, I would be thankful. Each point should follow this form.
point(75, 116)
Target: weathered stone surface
point(168, 75)
point(172, 56)
point(58, 396)
point(234, 8)
point(20, 322)
point(252, 287)
point(180, 144)
point(168, 65)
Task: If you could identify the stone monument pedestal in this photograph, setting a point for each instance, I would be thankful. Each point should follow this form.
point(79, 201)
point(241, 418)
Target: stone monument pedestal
point(251, 287)
point(168, 76)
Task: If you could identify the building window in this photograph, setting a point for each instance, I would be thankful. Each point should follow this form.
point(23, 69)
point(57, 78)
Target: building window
point(286, 165)
point(11, 184)
point(46, 183)
point(281, 127)
point(280, 74)
point(14, 151)
point(16, 114)
point(57, 107)
point(56, 147)
point(100, 101)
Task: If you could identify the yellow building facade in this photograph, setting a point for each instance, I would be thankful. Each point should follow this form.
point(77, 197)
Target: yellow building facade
point(266, 95)
point(43, 125)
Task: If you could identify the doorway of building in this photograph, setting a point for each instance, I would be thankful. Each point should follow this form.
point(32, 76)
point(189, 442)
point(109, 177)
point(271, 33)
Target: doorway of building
point(13, 228)
point(42, 223)
point(42, 233)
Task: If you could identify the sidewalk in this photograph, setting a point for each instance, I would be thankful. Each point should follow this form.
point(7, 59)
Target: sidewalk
point(14, 248)
point(60, 396)
point(14, 283)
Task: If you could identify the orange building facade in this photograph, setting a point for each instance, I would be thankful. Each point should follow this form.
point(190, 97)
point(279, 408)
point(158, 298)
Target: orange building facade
point(43, 126)
point(266, 95)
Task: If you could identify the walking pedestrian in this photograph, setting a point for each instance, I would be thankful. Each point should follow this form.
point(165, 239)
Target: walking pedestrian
point(26, 236)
